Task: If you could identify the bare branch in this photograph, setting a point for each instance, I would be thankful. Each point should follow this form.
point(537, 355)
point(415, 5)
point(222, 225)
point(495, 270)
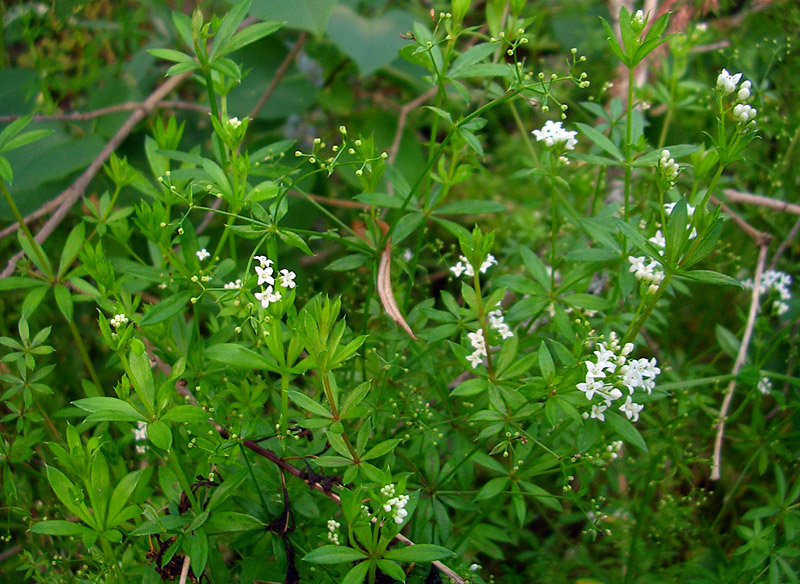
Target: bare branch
point(106, 111)
point(735, 196)
point(66, 200)
point(786, 243)
point(737, 365)
point(760, 237)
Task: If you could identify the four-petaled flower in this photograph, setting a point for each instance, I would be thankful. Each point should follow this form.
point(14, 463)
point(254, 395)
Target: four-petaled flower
point(203, 254)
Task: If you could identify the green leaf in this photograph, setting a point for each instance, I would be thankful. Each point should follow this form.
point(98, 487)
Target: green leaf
point(231, 521)
point(470, 57)
point(142, 375)
point(380, 449)
point(348, 262)
point(472, 141)
point(66, 491)
point(19, 283)
point(238, 356)
point(172, 55)
point(727, 340)
point(185, 413)
point(25, 139)
point(626, 430)
point(586, 301)
point(159, 434)
point(710, 277)
point(30, 248)
point(309, 404)
point(445, 115)
point(470, 208)
point(380, 200)
point(166, 308)
point(217, 176)
point(593, 254)
point(109, 409)
point(58, 527)
point(310, 15)
point(424, 552)
point(291, 238)
point(493, 488)
point(63, 300)
point(392, 570)
point(334, 554)
point(356, 574)
point(371, 43)
point(248, 36)
point(233, 18)
point(71, 248)
point(546, 365)
point(601, 140)
point(122, 492)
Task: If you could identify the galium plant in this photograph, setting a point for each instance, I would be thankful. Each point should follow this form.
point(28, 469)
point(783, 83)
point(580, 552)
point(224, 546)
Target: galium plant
point(451, 398)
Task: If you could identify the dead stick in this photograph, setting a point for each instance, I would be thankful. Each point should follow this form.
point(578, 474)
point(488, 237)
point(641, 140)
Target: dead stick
point(760, 237)
point(75, 191)
point(106, 111)
point(739, 197)
point(737, 365)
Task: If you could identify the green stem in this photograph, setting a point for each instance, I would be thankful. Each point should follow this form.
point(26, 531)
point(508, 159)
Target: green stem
point(284, 421)
point(637, 324)
point(84, 356)
point(326, 385)
point(212, 102)
point(112, 560)
point(628, 145)
point(28, 235)
point(253, 476)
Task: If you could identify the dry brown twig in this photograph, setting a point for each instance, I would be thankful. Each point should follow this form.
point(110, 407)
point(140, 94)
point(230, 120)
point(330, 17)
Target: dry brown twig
point(66, 200)
point(107, 111)
point(735, 196)
point(716, 459)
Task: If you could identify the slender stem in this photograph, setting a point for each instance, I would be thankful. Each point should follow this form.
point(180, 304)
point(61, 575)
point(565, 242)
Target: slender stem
point(326, 384)
point(253, 476)
point(113, 561)
point(637, 325)
point(28, 235)
point(84, 355)
point(628, 145)
point(284, 421)
point(212, 100)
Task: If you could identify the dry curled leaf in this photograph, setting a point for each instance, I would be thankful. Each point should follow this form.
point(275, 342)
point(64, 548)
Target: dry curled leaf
point(384, 285)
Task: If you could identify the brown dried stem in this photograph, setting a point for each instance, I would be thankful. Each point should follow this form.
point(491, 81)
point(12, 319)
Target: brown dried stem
point(716, 459)
point(735, 196)
point(107, 111)
point(66, 200)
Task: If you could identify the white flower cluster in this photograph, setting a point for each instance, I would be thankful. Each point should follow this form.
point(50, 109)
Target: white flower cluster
point(202, 254)
point(668, 168)
point(742, 113)
point(395, 505)
point(464, 267)
point(234, 123)
point(497, 322)
point(479, 344)
point(638, 19)
point(140, 435)
point(553, 133)
point(612, 369)
point(764, 386)
point(234, 285)
point(118, 320)
point(650, 271)
point(265, 271)
point(333, 534)
point(777, 281)
point(613, 449)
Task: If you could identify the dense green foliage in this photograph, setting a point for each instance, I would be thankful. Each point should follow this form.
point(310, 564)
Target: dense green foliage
point(385, 291)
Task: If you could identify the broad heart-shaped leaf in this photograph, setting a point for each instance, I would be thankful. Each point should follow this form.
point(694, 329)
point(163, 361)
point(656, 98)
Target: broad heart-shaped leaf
point(310, 15)
point(423, 552)
point(334, 554)
point(371, 43)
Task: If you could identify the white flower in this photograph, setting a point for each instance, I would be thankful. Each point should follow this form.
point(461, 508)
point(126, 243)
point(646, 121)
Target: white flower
point(408, 254)
point(203, 254)
point(333, 526)
point(553, 133)
point(267, 297)
point(638, 19)
point(234, 123)
point(475, 359)
point(118, 320)
point(265, 276)
point(287, 279)
point(590, 387)
point(594, 370)
point(140, 432)
point(764, 385)
point(263, 261)
point(474, 567)
point(488, 263)
point(631, 409)
point(727, 82)
point(233, 285)
point(744, 114)
point(597, 411)
point(744, 91)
